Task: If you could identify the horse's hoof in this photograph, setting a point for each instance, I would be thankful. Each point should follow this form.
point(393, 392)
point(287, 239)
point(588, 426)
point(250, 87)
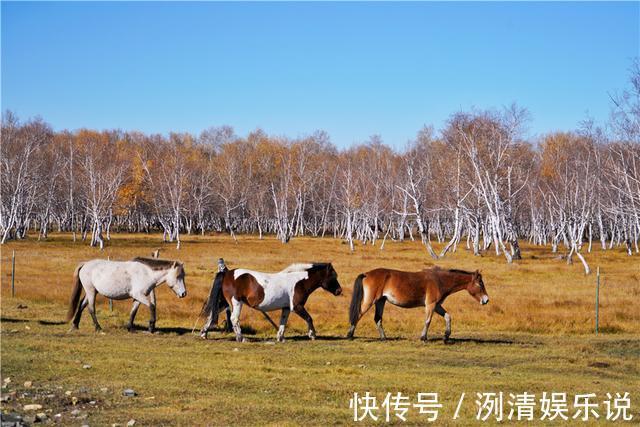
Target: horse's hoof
point(72, 329)
point(312, 336)
point(350, 337)
point(423, 339)
point(383, 338)
point(203, 337)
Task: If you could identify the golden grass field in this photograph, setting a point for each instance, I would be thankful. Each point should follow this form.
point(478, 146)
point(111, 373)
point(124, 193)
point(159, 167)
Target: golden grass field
point(535, 335)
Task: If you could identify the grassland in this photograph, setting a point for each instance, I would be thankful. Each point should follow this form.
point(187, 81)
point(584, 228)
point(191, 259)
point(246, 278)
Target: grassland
point(535, 335)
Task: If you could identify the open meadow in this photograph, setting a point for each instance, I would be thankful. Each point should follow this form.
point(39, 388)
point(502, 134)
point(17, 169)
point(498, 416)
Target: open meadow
point(535, 335)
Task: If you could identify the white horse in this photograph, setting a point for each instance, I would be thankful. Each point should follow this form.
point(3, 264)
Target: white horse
point(120, 280)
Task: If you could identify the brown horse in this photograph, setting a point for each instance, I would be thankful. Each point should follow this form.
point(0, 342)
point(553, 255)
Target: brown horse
point(286, 290)
point(427, 288)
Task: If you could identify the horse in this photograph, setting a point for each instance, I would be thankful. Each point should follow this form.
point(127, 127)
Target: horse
point(286, 290)
point(427, 288)
point(120, 280)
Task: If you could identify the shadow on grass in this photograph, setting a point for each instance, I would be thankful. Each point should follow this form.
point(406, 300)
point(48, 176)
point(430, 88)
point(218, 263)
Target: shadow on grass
point(52, 322)
point(375, 339)
point(450, 341)
point(479, 341)
point(178, 330)
point(11, 320)
point(164, 330)
point(318, 338)
point(224, 336)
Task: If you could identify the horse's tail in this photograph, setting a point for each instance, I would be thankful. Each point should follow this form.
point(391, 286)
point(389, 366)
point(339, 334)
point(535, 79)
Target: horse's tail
point(356, 300)
point(75, 293)
point(212, 305)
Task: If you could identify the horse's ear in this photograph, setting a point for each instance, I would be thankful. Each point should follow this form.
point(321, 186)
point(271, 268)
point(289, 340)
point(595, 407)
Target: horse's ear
point(174, 264)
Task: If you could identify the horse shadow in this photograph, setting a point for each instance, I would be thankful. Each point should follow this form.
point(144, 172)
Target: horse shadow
point(11, 320)
point(177, 330)
point(304, 337)
point(450, 341)
point(228, 336)
point(318, 338)
point(51, 322)
point(453, 341)
point(374, 339)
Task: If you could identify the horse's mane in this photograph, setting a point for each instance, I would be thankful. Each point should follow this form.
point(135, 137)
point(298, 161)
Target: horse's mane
point(452, 270)
point(455, 270)
point(293, 268)
point(157, 264)
point(304, 267)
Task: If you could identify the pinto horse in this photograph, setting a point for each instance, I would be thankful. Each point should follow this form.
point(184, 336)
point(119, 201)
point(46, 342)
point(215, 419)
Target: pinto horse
point(427, 288)
point(287, 290)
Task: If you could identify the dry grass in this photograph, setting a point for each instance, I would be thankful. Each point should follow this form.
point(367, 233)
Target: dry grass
point(539, 294)
point(535, 335)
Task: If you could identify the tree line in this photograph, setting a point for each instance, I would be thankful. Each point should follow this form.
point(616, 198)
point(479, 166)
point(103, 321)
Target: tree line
point(478, 182)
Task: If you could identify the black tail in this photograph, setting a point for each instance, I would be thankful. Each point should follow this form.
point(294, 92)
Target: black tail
point(215, 296)
point(356, 300)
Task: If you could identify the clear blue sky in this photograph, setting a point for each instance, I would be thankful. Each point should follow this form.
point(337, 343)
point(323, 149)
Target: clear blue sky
point(352, 69)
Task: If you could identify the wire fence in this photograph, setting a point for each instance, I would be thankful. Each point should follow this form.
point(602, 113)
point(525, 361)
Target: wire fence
point(603, 281)
point(13, 262)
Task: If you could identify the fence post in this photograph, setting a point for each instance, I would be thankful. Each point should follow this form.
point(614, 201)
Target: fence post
point(597, 298)
point(13, 273)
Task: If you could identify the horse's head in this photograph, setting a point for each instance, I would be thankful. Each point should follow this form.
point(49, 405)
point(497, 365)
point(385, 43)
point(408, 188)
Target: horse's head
point(175, 279)
point(476, 288)
point(329, 281)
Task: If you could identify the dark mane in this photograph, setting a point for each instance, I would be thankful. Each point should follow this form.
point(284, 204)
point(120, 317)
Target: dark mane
point(455, 270)
point(156, 264)
point(450, 270)
point(318, 266)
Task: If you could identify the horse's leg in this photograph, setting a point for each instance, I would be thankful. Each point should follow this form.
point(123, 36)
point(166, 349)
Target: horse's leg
point(227, 324)
point(378, 317)
point(208, 324)
point(429, 310)
point(283, 323)
point(76, 319)
point(132, 316)
point(152, 312)
point(302, 312)
point(447, 319)
point(366, 305)
point(206, 327)
point(91, 297)
point(235, 318)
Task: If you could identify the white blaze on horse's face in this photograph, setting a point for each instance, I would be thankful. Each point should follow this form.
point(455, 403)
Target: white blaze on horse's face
point(484, 299)
point(477, 290)
point(175, 280)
